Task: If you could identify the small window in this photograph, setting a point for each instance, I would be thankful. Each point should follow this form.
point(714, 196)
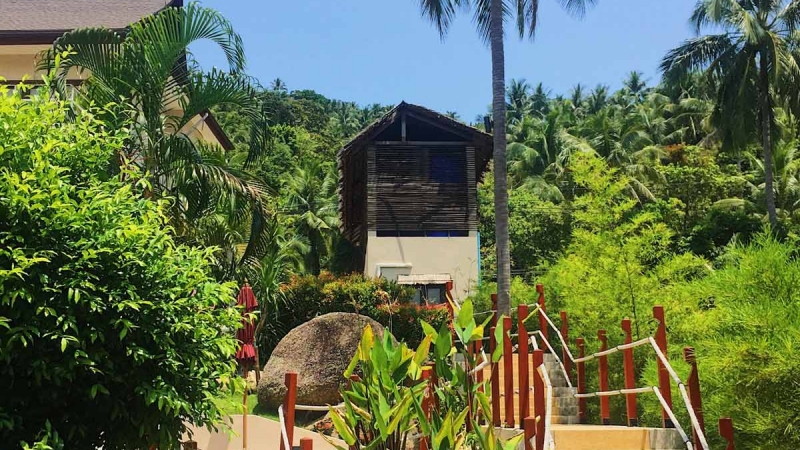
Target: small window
point(447, 167)
point(430, 294)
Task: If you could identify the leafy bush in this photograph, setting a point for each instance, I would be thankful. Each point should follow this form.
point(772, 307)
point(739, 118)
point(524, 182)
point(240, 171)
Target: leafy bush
point(306, 297)
point(618, 265)
point(391, 397)
point(748, 351)
point(111, 334)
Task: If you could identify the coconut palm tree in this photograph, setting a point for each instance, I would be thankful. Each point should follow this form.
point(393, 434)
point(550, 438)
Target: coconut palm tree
point(163, 98)
point(519, 100)
point(311, 198)
point(750, 61)
point(489, 17)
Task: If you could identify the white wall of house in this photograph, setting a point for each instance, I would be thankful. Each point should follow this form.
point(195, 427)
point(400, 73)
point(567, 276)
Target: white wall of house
point(456, 256)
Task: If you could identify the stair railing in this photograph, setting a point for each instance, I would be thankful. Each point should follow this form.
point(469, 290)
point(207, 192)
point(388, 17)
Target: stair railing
point(699, 432)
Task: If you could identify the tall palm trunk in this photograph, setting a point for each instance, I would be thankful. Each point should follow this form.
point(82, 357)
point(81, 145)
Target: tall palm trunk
point(765, 112)
point(500, 168)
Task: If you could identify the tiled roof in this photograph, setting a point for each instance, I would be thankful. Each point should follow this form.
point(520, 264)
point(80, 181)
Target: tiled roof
point(62, 15)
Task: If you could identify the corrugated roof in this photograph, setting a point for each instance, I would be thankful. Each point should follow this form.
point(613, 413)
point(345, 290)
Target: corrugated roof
point(61, 15)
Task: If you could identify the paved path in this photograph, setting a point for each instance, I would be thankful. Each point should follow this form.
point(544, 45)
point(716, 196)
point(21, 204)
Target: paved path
point(262, 434)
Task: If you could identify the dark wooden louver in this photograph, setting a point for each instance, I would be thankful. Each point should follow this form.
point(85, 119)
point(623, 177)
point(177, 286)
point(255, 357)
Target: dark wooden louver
point(420, 188)
point(414, 172)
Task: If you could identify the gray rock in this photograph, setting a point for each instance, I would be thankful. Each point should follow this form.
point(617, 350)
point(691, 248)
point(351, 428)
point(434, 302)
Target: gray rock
point(319, 351)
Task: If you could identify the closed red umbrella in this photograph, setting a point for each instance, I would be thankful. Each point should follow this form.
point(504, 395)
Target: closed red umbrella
point(246, 355)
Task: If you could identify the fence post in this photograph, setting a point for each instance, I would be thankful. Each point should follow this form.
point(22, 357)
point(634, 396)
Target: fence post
point(479, 375)
point(495, 381)
point(630, 375)
point(581, 380)
point(471, 363)
point(663, 374)
point(290, 380)
point(564, 354)
point(508, 372)
point(306, 443)
point(539, 408)
point(694, 391)
point(602, 369)
point(427, 403)
point(529, 427)
point(542, 320)
point(726, 431)
point(448, 289)
point(524, 376)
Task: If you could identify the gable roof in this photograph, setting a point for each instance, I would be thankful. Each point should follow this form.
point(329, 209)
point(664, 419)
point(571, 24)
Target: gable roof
point(43, 21)
point(442, 121)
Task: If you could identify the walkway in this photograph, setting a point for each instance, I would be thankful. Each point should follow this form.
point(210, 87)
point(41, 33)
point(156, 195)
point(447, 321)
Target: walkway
point(262, 434)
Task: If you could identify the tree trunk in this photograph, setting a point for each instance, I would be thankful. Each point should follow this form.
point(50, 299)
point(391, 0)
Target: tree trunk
point(765, 113)
point(313, 255)
point(500, 168)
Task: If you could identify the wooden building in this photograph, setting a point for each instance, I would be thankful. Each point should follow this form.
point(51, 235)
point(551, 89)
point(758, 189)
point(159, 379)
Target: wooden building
point(408, 199)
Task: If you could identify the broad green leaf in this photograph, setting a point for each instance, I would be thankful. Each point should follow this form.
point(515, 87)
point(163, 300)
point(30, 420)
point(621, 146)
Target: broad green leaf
point(342, 430)
point(352, 366)
point(498, 350)
point(421, 355)
point(367, 341)
point(465, 314)
point(428, 329)
point(445, 430)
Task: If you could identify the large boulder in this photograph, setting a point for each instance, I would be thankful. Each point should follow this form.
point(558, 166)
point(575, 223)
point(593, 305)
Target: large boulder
point(319, 351)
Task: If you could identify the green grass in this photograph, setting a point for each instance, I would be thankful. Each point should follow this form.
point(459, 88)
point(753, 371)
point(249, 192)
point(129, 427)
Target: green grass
point(232, 404)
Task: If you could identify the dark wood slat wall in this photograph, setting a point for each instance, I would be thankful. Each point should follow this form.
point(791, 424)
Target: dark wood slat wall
point(353, 196)
point(418, 187)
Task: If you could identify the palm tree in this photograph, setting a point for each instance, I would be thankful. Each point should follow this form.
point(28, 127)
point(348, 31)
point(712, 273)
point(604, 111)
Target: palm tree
point(311, 198)
point(519, 99)
point(278, 85)
point(635, 86)
point(540, 100)
point(489, 15)
point(168, 98)
point(750, 61)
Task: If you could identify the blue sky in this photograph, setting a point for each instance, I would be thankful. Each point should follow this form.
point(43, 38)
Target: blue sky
point(382, 51)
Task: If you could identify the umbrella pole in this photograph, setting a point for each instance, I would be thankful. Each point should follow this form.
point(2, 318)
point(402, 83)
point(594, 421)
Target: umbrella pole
point(244, 413)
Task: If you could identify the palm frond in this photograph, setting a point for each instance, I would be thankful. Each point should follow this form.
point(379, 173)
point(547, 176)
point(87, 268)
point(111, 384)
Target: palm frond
point(695, 54)
point(168, 34)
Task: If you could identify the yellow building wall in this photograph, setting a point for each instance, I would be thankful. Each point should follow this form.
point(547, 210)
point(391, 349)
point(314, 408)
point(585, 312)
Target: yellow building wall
point(18, 62)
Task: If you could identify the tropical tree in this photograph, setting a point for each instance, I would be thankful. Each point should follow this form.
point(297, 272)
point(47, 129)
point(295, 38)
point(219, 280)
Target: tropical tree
point(278, 85)
point(311, 198)
point(750, 61)
point(168, 99)
point(489, 17)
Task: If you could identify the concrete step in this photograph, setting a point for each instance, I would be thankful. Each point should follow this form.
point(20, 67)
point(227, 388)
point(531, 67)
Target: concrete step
point(564, 402)
point(599, 437)
point(565, 411)
point(564, 392)
point(563, 420)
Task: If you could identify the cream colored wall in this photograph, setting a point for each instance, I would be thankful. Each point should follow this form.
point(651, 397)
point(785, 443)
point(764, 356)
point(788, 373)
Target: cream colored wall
point(19, 61)
point(197, 128)
point(457, 256)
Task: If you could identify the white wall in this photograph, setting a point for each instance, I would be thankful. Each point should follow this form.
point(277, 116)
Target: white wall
point(457, 256)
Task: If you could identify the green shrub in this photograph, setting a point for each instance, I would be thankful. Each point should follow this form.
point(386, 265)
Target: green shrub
point(748, 350)
point(388, 303)
point(111, 334)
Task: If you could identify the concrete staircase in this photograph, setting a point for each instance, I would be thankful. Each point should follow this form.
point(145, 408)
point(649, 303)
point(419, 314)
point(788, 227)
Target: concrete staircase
point(564, 405)
point(569, 435)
